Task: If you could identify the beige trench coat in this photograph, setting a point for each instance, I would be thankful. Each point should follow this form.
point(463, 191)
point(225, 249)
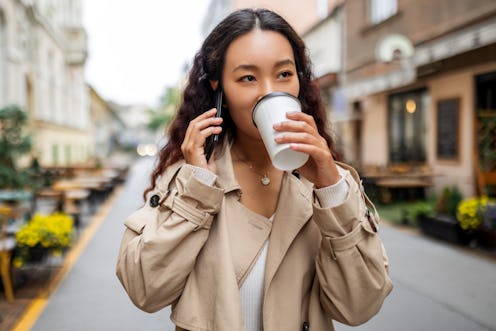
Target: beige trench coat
point(194, 248)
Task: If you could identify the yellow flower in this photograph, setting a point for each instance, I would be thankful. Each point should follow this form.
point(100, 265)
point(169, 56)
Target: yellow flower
point(470, 212)
point(50, 231)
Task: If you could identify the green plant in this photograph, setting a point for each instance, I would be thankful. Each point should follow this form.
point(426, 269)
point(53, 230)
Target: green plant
point(418, 209)
point(448, 201)
point(471, 212)
point(487, 141)
point(392, 212)
point(161, 117)
point(14, 142)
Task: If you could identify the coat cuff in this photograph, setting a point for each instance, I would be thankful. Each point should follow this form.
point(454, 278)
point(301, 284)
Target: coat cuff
point(334, 195)
point(195, 192)
point(203, 175)
point(339, 220)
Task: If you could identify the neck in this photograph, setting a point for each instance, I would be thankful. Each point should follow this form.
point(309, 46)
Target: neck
point(252, 151)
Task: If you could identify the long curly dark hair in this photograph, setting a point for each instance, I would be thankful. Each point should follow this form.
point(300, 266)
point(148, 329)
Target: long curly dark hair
point(198, 95)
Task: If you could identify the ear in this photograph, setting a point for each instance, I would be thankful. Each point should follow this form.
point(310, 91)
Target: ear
point(214, 84)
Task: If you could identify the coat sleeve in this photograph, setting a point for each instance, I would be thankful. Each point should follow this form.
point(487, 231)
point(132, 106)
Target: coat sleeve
point(162, 240)
point(352, 265)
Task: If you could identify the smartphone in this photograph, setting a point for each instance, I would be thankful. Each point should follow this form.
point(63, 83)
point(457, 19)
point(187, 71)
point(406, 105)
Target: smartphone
point(213, 139)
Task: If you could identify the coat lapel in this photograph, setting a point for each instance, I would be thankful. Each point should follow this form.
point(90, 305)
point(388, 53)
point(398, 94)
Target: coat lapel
point(294, 210)
point(247, 230)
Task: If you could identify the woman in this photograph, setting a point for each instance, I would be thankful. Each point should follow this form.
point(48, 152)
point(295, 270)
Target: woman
point(232, 243)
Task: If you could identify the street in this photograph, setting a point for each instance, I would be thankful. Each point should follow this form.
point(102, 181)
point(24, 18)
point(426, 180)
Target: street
point(437, 286)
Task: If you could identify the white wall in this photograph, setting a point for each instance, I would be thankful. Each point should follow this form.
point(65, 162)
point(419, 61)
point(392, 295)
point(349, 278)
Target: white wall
point(325, 47)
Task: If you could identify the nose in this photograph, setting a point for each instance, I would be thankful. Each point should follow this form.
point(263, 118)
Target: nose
point(266, 87)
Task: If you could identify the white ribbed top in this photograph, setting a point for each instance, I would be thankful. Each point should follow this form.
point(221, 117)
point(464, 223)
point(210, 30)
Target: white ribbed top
point(251, 292)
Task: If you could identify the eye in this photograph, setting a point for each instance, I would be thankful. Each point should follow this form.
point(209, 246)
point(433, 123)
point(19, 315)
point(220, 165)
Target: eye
point(247, 78)
point(285, 74)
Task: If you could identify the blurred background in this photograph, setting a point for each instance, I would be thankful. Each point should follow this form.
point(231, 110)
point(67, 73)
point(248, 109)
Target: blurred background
point(88, 87)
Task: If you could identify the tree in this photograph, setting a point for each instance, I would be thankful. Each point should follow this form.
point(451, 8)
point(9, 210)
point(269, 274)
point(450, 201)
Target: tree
point(166, 111)
point(14, 142)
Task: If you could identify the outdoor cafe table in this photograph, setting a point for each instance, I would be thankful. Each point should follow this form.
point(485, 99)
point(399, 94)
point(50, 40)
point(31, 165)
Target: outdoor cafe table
point(73, 193)
point(405, 183)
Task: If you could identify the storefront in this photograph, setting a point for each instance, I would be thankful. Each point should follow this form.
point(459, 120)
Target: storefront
point(443, 123)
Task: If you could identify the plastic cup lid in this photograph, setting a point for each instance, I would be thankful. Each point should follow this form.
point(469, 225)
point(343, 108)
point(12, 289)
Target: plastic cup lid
point(268, 96)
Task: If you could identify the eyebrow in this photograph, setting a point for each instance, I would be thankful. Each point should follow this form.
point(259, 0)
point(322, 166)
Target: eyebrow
point(253, 67)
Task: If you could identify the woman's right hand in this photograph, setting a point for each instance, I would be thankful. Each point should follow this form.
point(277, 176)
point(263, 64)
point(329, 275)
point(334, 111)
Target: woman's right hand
point(199, 129)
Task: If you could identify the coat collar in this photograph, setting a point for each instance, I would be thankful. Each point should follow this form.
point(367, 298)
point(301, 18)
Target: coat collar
point(225, 171)
point(294, 210)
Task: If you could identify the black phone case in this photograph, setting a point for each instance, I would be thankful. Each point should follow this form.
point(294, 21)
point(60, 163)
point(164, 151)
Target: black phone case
point(213, 139)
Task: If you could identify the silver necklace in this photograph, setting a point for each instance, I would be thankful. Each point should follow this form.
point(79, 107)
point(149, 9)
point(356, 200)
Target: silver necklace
point(265, 180)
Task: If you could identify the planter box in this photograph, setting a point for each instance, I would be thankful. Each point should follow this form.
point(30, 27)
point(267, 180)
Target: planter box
point(37, 254)
point(444, 227)
point(486, 237)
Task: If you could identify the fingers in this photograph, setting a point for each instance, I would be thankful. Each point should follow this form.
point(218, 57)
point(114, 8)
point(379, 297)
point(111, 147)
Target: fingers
point(203, 121)
point(300, 131)
point(300, 128)
point(297, 122)
point(199, 129)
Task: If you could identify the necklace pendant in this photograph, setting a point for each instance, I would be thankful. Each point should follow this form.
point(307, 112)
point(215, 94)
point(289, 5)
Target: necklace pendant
point(265, 180)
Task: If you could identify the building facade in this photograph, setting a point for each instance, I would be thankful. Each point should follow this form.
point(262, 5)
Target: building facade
point(135, 120)
point(106, 125)
point(422, 75)
point(42, 57)
point(325, 42)
point(302, 15)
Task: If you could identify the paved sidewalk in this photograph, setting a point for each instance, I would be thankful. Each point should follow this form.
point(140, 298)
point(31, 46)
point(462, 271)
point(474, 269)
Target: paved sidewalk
point(437, 286)
point(91, 297)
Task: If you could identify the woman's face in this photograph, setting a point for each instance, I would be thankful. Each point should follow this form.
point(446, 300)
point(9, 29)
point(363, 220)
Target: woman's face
point(256, 64)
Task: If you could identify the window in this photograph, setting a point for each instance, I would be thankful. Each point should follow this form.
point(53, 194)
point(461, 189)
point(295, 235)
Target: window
point(381, 10)
point(67, 154)
point(55, 154)
point(407, 129)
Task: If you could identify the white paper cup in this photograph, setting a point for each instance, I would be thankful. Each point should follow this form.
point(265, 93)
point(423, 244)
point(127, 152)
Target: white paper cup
point(272, 109)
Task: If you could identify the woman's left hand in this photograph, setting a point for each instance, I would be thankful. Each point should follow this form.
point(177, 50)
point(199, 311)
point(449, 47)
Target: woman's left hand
point(303, 136)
